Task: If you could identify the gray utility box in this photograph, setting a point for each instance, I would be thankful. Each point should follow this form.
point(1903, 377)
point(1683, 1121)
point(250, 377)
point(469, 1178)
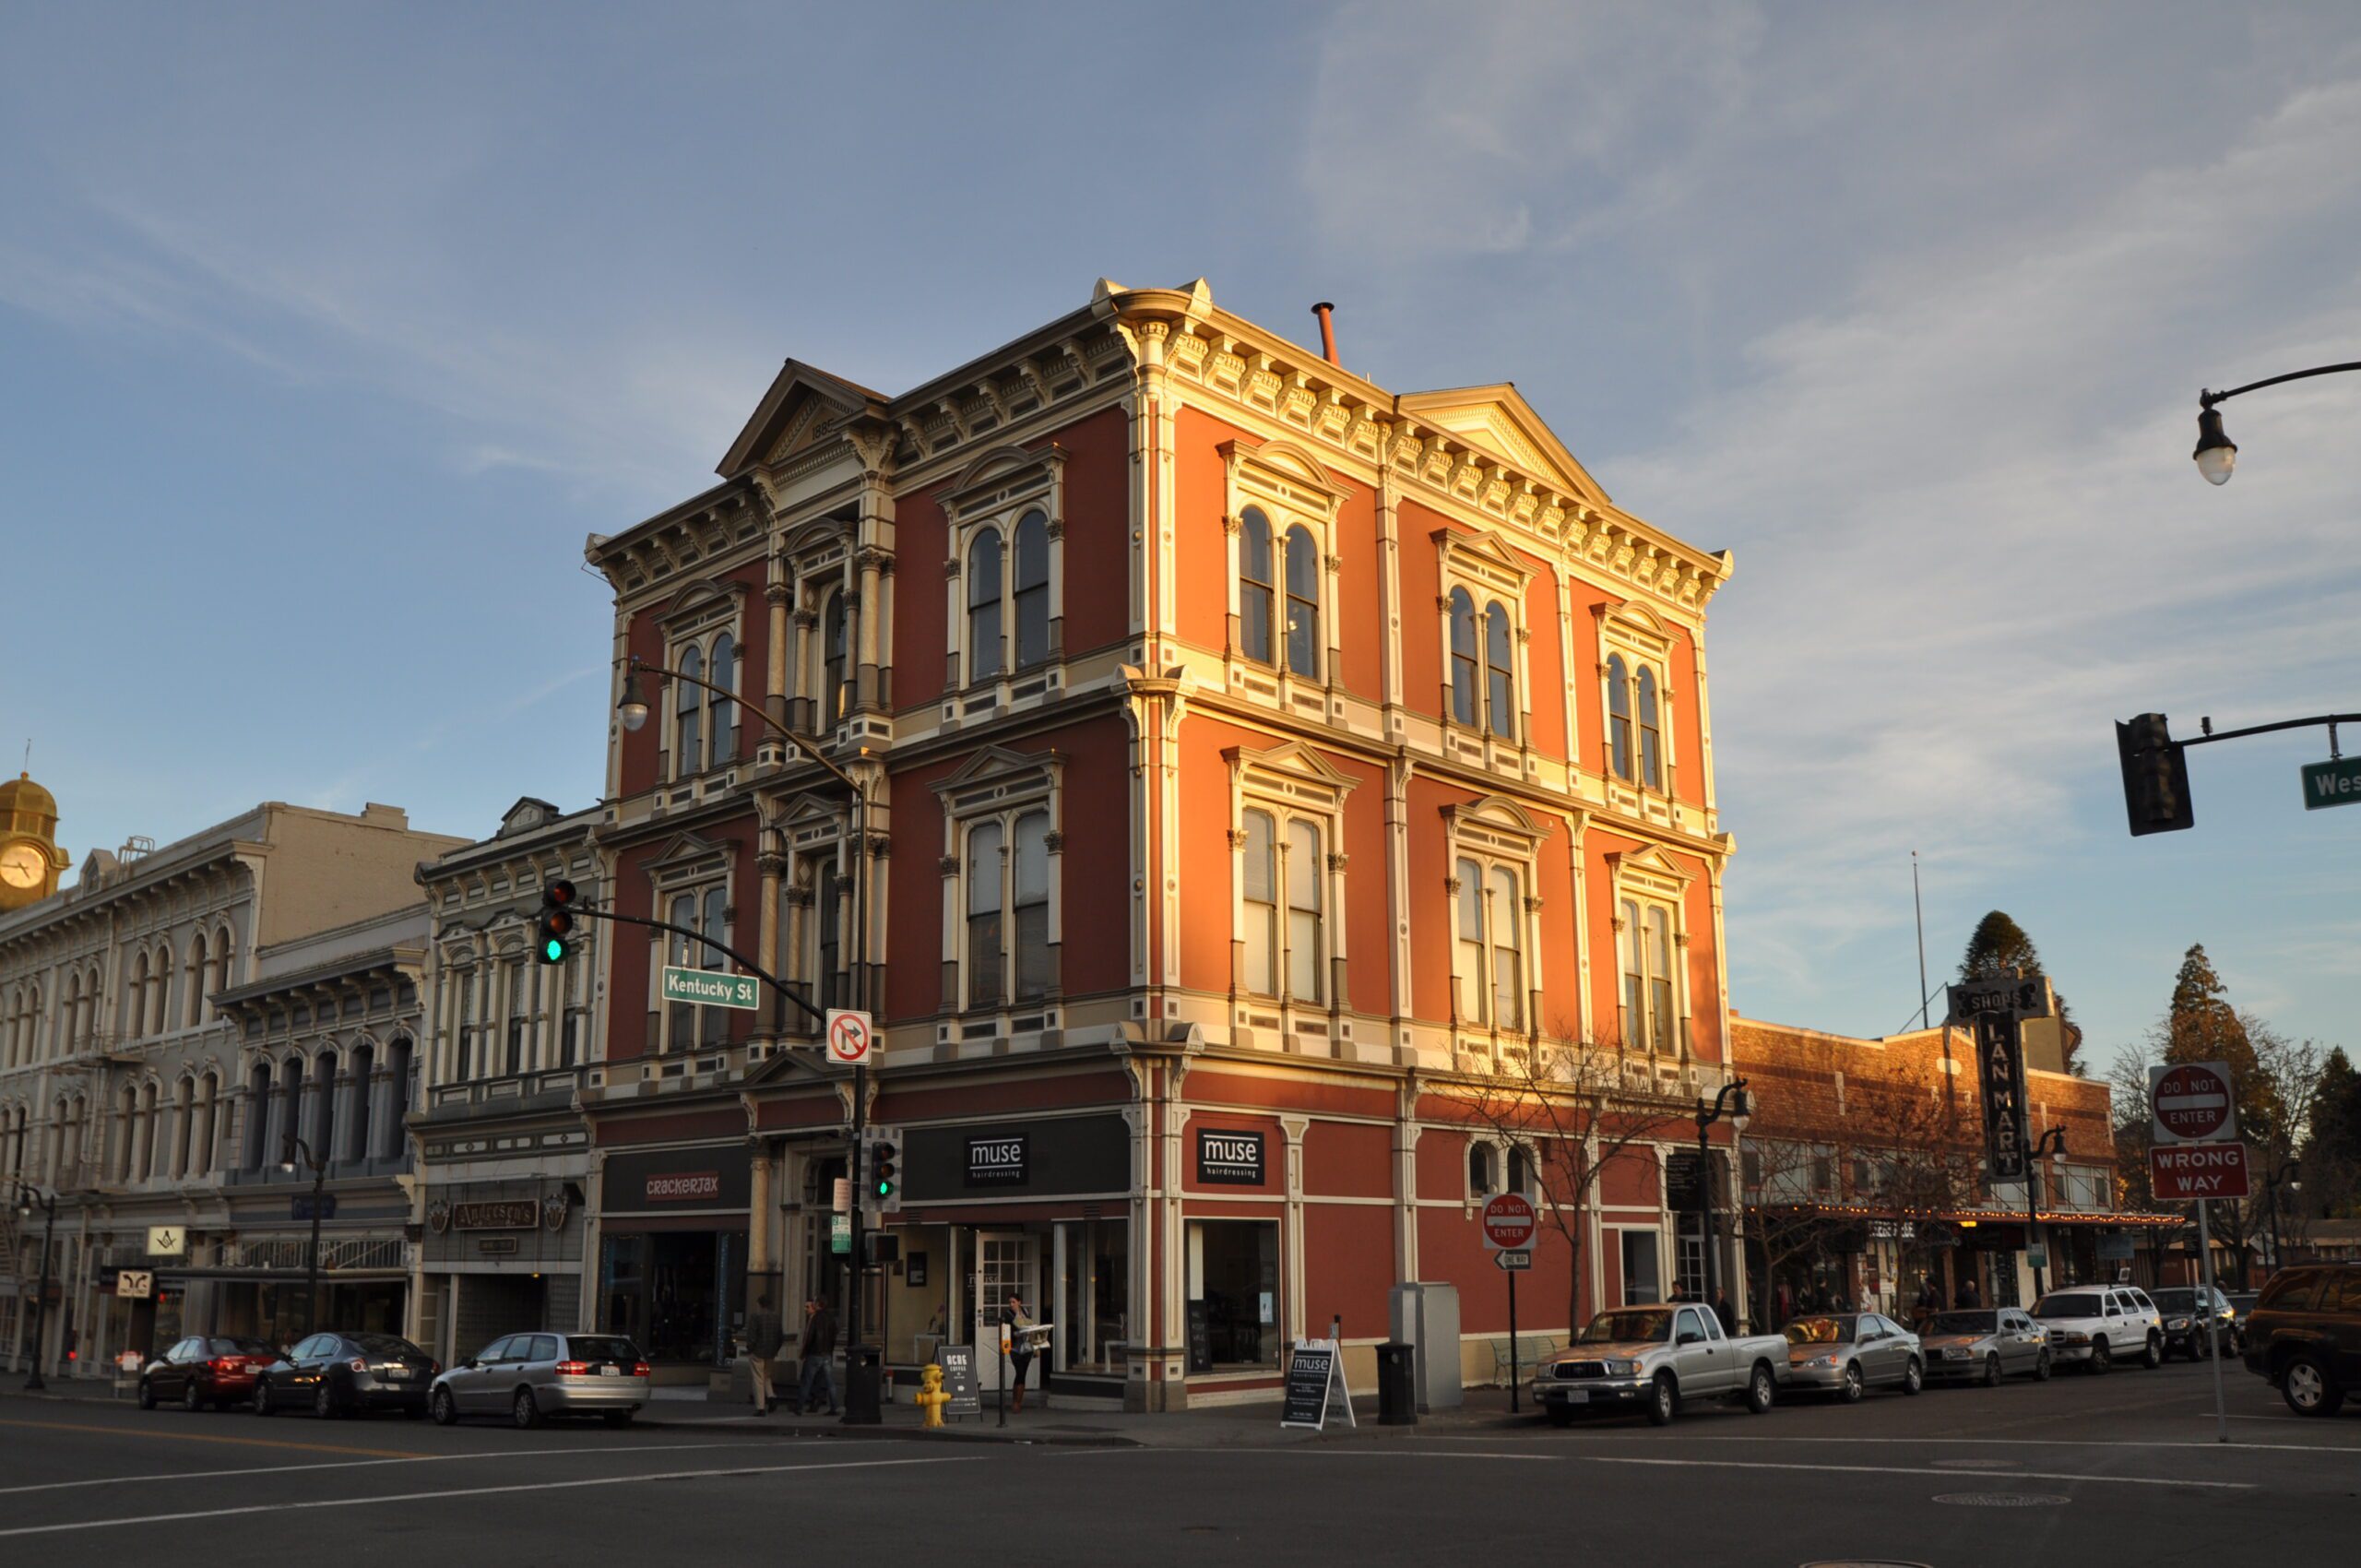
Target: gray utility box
point(1426, 1317)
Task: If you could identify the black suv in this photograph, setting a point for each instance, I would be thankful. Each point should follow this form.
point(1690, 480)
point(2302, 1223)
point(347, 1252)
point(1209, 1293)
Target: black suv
point(2305, 1336)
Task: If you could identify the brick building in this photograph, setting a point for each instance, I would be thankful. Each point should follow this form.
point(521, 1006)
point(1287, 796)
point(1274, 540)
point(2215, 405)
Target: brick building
point(1257, 768)
point(1863, 1169)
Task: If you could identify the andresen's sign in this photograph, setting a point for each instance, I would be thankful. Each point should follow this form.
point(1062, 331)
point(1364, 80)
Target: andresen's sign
point(711, 987)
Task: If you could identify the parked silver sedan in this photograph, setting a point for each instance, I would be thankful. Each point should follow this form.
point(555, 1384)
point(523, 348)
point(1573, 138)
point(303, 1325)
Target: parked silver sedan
point(1844, 1353)
point(528, 1377)
point(1983, 1345)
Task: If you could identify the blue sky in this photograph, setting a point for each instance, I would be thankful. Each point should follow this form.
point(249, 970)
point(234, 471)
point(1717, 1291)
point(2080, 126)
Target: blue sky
point(326, 333)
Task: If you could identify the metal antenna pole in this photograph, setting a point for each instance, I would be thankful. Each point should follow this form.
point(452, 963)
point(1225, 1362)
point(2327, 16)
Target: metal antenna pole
point(1918, 911)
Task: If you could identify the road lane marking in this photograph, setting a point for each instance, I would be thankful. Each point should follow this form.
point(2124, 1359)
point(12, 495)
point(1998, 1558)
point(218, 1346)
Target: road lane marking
point(1990, 1441)
point(208, 1437)
point(480, 1491)
point(372, 1463)
point(1313, 1453)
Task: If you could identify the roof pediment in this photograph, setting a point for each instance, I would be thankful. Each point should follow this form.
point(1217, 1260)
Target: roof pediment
point(802, 403)
point(1498, 418)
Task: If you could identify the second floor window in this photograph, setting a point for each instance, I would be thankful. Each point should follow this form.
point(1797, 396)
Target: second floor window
point(1488, 967)
point(1266, 561)
point(1483, 664)
point(1281, 888)
point(706, 911)
point(1634, 721)
point(1646, 946)
point(835, 639)
point(1007, 872)
point(984, 655)
point(705, 724)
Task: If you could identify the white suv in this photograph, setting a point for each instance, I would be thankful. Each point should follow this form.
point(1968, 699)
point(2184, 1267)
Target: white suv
point(2100, 1324)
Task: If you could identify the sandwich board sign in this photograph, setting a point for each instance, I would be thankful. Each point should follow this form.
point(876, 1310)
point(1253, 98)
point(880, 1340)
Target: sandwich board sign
point(959, 1364)
point(1315, 1374)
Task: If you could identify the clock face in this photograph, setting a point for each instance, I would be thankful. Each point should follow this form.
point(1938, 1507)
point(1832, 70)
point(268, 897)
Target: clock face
point(23, 865)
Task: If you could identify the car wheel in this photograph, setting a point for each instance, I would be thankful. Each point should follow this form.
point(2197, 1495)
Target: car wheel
point(192, 1396)
point(324, 1402)
point(2308, 1389)
point(1913, 1378)
point(2151, 1355)
point(1560, 1415)
point(617, 1418)
point(259, 1401)
point(1849, 1390)
point(2041, 1368)
point(147, 1395)
point(1663, 1400)
point(444, 1410)
point(2101, 1357)
point(525, 1411)
point(1761, 1391)
point(1991, 1371)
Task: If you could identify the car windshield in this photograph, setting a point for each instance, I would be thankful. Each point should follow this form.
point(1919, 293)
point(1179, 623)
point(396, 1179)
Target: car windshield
point(2067, 1306)
point(241, 1347)
point(2174, 1300)
point(1962, 1323)
point(1651, 1323)
point(387, 1345)
point(601, 1347)
point(1820, 1330)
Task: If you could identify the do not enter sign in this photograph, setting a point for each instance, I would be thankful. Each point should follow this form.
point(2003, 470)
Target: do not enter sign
point(1509, 1222)
point(2192, 1103)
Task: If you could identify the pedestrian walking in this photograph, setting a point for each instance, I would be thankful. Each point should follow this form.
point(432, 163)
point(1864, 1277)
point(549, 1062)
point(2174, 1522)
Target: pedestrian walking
point(819, 1344)
point(1783, 1302)
point(1723, 1310)
point(1013, 1321)
point(1969, 1297)
point(765, 1337)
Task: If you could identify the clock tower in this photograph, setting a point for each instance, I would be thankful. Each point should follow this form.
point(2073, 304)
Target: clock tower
point(30, 858)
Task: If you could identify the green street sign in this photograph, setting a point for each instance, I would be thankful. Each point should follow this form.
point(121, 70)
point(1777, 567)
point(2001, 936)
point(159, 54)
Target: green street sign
point(2334, 783)
point(711, 987)
point(840, 1234)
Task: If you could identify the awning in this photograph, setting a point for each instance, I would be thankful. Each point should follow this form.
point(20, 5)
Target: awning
point(2110, 1219)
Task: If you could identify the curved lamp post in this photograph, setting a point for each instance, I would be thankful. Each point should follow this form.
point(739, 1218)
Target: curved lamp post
point(2051, 1142)
point(2216, 454)
point(319, 1168)
point(28, 1199)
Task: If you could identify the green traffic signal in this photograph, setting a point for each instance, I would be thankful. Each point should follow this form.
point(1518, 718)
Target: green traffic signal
point(552, 950)
point(556, 922)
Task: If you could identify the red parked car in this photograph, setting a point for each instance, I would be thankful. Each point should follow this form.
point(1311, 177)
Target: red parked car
point(206, 1369)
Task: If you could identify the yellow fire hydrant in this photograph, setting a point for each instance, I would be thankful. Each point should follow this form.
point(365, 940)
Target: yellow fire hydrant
point(931, 1396)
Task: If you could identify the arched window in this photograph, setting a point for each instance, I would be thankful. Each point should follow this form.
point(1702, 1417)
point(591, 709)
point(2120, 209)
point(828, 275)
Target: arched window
point(1303, 602)
point(835, 636)
point(151, 1123)
point(984, 655)
point(224, 947)
point(129, 1118)
point(1500, 670)
point(356, 1117)
point(716, 1029)
point(1029, 896)
point(1260, 894)
point(1032, 590)
point(1508, 960)
point(322, 1136)
point(398, 1072)
point(1519, 1169)
point(725, 712)
point(257, 1116)
point(193, 1003)
point(1483, 1168)
point(207, 1143)
point(135, 999)
point(183, 1129)
point(984, 939)
point(1256, 584)
point(1462, 656)
point(1619, 716)
point(1304, 903)
point(160, 980)
point(688, 724)
point(1651, 736)
point(1468, 971)
point(290, 1110)
point(1660, 1015)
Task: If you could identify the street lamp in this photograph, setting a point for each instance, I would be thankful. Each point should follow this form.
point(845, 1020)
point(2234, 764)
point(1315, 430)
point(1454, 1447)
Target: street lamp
point(2216, 454)
point(2051, 1142)
point(2290, 1176)
point(27, 1201)
point(312, 1265)
point(1706, 1117)
point(631, 712)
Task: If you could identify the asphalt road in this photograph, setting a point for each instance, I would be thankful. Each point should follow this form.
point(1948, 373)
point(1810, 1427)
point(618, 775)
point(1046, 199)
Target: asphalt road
point(2078, 1470)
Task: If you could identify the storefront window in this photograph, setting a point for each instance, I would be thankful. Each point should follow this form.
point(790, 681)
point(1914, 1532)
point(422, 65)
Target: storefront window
point(673, 1293)
point(1094, 1301)
point(1234, 1271)
point(1641, 1283)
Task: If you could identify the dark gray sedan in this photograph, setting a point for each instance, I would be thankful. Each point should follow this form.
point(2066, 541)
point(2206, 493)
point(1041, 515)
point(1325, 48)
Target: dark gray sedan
point(1984, 1345)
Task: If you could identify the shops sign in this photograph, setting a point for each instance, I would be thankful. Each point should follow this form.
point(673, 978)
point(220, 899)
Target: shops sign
point(998, 1160)
point(1230, 1159)
point(711, 987)
point(509, 1213)
point(2000, 1065)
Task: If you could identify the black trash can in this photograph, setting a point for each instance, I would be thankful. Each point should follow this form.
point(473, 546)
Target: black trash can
point(861, 1374)
point(1397, 1385)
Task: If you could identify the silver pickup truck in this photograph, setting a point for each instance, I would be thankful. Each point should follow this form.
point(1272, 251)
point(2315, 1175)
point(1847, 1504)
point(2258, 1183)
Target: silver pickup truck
point(1658, 1358)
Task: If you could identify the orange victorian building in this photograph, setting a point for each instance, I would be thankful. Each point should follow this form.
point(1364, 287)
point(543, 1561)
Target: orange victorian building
point(1260, 770)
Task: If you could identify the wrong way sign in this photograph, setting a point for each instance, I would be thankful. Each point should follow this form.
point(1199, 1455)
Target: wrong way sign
point(850, 1034)
point(2193, 1102)
point(2183, 1172)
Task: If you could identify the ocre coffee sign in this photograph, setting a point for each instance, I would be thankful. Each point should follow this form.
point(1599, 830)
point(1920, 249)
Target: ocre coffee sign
point(684, 1186)
point(1230, 1159)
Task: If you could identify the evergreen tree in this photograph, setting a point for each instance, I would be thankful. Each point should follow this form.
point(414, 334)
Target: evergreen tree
point(2201, 1026)
point(2332, 1153)
point(1996, 946)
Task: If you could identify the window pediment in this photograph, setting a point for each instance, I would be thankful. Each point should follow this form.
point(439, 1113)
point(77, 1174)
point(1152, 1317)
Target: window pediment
point(1649, 869)
point(1285, 474)
point(1003, 478)
point(1632, 628)
point(996, 775)
point(1484, 557)
point(689, 857)
point(702, 603)
point(1292, 769)
point(1495, 823)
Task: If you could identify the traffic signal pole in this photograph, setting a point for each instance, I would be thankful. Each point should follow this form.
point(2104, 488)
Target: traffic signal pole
point(2155, 780)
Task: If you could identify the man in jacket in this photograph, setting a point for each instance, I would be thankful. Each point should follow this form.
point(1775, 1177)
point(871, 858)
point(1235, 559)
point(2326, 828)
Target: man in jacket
point(819, 1344)
point(765, 1337)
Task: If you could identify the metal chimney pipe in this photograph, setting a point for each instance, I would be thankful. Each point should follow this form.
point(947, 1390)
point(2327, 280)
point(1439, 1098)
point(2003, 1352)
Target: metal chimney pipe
point(1326, 313)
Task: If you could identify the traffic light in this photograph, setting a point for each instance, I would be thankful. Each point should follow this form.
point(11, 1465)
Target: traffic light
point(556, 924)
point(884, 1174)
point(2155, 777)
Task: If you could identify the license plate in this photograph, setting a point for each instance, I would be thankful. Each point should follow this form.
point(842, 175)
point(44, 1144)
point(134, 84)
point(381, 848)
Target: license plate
point(1576, 1396)
point(610, 1372)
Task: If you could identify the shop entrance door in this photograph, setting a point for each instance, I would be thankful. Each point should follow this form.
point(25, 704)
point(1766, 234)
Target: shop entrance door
point(1005, 1260)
